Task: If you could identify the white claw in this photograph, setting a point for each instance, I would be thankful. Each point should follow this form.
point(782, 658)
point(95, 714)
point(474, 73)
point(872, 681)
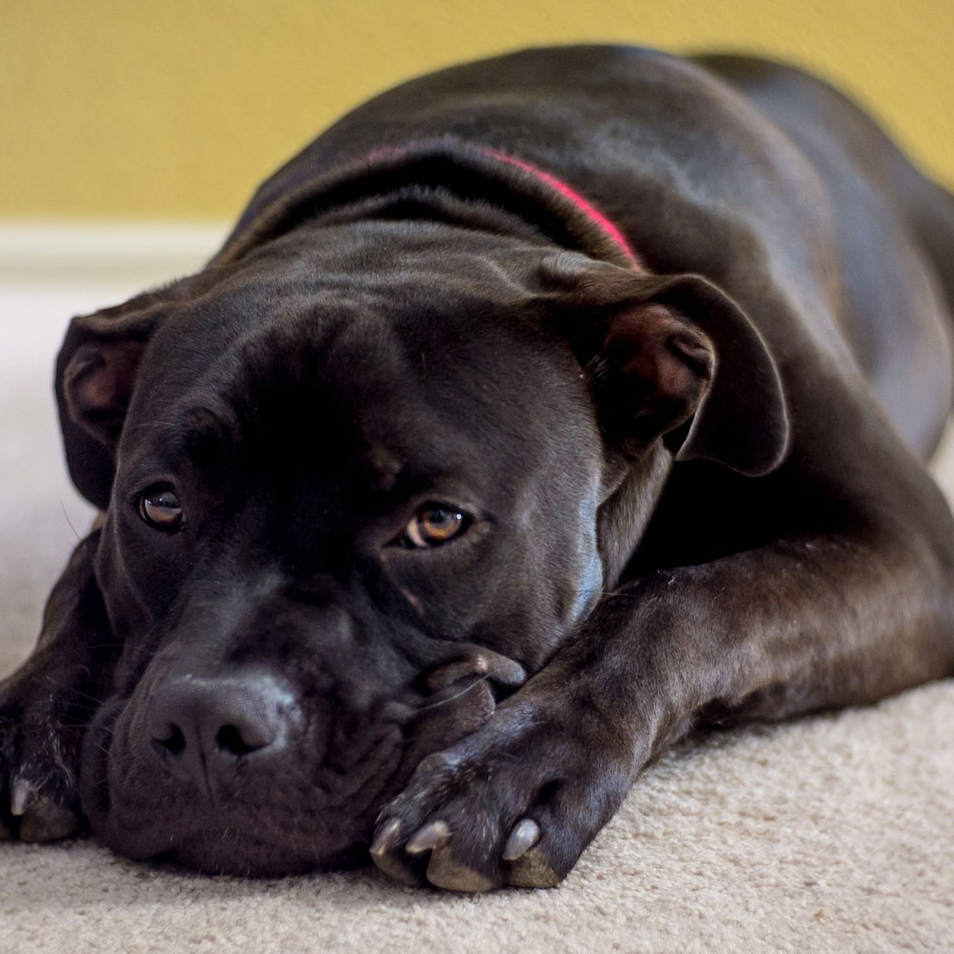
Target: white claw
point(23, 796)
point(434, 835)
point(525, 834)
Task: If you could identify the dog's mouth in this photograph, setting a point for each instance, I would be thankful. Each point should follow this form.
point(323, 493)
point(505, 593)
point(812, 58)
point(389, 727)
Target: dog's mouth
point(256, 820)
point(310, 803)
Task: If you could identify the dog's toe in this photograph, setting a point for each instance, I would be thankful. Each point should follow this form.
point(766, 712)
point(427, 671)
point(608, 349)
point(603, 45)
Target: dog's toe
point(446, 871)
point(512, 804)
point(38, 766)
point(47, 820)
point(42, 815)
point(532, 870)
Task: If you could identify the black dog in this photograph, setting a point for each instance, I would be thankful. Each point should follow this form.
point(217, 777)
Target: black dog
point(539, 411)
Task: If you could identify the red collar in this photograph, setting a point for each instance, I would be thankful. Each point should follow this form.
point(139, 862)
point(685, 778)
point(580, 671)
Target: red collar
point(587, 208)
point(594, 215)
point(281, 207)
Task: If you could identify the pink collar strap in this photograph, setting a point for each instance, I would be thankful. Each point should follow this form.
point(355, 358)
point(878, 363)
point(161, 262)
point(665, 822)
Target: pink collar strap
point(587, 208)
point(282, 207)
point(582, 205)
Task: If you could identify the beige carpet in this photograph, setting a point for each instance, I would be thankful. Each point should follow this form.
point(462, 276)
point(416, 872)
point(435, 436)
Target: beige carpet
point(832, 834)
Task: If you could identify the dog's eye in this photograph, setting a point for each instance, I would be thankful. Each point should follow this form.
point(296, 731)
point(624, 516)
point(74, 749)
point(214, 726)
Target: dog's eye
point(159, 507)
point(435, 524)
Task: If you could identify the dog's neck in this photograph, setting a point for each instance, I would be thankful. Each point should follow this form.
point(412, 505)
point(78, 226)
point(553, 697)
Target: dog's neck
point(585, 207)
point(446, 180)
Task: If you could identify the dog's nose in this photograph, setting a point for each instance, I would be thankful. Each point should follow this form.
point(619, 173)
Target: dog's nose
point(201, 726)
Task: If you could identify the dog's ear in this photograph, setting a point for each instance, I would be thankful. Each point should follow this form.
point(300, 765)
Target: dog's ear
point(742, 418)
point(675, 356)
point(650, 374)
point(95, 374)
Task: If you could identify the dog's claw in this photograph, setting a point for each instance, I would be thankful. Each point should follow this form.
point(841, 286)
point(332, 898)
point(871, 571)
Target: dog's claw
point(382, 852)
point(386, 837)
point(525, 834)
point(434, 835)
point(23, 796)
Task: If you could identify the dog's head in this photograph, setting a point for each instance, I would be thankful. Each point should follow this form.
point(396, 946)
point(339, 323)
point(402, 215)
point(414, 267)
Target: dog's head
point(359, 484)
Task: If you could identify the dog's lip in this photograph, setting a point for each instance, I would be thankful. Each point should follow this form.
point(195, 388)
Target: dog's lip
point(94, 772)
point(142, 827)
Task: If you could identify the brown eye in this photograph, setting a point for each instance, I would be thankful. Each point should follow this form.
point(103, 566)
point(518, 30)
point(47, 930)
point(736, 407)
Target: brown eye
point(159, 507)
point(435, 524)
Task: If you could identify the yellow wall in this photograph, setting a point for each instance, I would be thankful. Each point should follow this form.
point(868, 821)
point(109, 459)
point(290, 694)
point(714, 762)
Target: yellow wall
point(177, 108)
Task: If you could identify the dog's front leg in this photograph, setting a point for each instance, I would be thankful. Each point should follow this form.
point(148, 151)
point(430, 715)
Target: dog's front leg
point(800, 624)
point(46, 704)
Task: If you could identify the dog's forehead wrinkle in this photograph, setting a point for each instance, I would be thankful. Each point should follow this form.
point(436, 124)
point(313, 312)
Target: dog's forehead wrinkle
point(325, 354)
point(198, 421)
point(349, 393)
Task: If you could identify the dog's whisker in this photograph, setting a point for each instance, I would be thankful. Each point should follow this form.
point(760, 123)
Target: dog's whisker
point(71, 688)
point(70, 522)
point(427, 707)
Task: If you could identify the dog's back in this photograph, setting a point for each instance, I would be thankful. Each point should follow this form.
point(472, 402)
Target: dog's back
point(701, 182)
point(884, 211)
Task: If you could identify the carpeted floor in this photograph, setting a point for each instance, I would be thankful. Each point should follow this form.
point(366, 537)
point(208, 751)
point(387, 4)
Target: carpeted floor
point(831, 834)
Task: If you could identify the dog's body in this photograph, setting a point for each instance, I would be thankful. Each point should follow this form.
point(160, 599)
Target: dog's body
point(449, 492)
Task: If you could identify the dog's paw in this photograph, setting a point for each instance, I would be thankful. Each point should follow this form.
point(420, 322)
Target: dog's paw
point(46, 705)
point(39, 761)
point(515, 803)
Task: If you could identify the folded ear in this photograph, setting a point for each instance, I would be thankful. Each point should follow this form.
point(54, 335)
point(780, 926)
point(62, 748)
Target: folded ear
point(676, 352)
point(653, 370)
point(95, 374)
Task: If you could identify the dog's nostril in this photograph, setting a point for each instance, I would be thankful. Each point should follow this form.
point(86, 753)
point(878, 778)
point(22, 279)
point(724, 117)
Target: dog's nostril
point(173, 743)
point(229, 739)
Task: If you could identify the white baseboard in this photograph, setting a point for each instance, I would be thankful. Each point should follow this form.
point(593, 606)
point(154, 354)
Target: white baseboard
point(95, 251)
